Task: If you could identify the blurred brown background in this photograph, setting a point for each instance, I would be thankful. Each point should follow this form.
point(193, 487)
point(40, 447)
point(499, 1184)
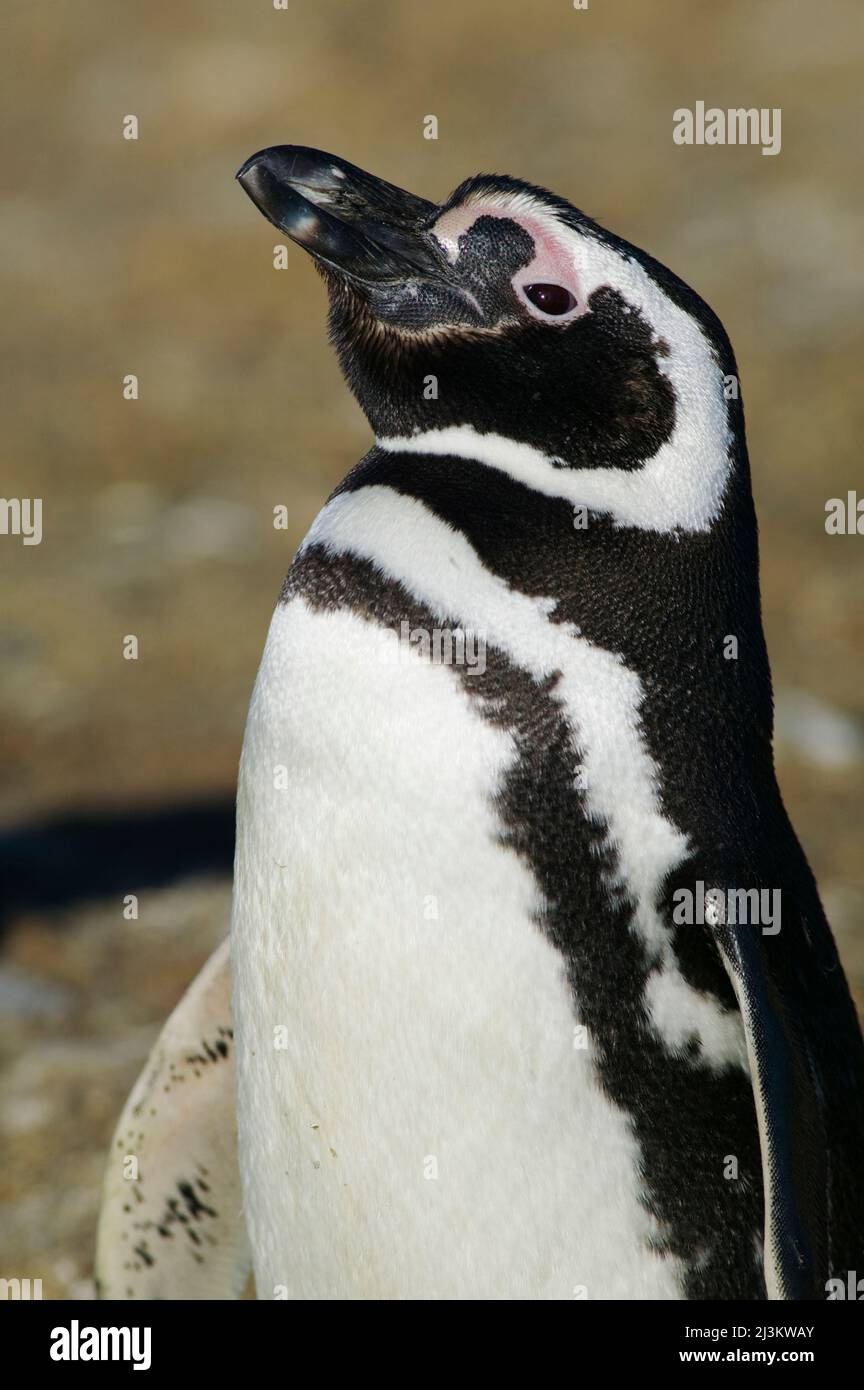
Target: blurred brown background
point(144, 257)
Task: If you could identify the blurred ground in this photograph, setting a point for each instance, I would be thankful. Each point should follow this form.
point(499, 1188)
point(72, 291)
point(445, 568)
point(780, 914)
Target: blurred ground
point(144, 257)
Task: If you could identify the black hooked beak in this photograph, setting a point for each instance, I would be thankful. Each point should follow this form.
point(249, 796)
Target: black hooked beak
point(368, 230)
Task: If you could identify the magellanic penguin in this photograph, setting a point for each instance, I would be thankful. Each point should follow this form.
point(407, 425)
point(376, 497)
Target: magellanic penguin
point(514, 714)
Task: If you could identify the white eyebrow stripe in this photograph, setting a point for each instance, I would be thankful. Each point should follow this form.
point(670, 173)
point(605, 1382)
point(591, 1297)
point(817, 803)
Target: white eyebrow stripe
point(661, 496)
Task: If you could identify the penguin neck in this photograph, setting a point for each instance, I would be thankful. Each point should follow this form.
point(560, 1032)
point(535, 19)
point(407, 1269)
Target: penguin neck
point(679, 607)
point(662, 496)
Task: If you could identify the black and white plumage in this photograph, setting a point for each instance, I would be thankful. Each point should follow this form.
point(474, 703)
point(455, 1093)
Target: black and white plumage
point(504, 1071)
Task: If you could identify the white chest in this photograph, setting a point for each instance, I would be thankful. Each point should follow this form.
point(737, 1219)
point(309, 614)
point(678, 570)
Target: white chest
point(417, 1117)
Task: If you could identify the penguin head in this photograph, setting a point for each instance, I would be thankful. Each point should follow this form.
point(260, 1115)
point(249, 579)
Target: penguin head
point(504, 310)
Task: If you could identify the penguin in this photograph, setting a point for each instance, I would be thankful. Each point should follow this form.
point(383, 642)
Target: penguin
point(170, 1221)
point(513, 1020)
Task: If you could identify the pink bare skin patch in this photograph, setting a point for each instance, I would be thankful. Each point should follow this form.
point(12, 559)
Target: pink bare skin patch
point(551, 268)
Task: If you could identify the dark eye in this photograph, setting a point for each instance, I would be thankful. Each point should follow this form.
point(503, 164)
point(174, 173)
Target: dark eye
point(551, 299)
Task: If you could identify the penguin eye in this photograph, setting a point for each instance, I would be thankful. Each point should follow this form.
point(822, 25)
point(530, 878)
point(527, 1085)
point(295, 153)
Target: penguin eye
point(550, 299)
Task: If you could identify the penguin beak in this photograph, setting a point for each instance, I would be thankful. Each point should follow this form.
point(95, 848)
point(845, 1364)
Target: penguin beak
point(366, 229)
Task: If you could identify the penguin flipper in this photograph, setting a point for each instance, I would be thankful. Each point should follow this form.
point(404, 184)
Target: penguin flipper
point(807, 1067)
point(173, 1228)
